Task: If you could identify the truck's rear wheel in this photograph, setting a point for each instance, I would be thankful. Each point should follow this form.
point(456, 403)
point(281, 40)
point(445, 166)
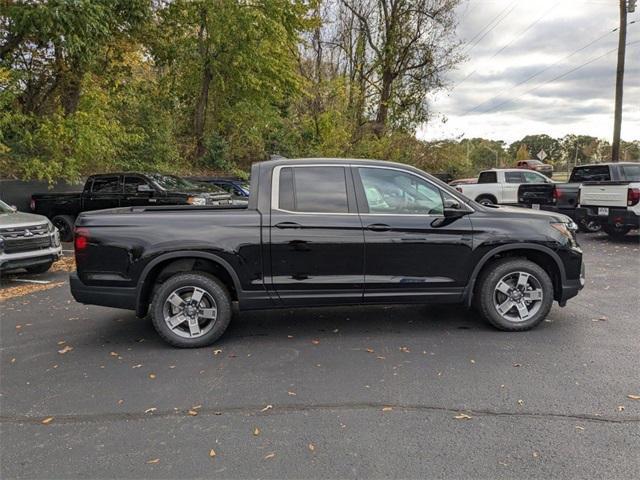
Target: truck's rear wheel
point(589, 226)
point(515, 294)
point(486, 200)
point(191, 310)
point(616, 233)
point(64, 224)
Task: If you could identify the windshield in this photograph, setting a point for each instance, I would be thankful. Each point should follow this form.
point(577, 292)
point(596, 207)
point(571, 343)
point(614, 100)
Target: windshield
point(4, 208)
point(171, 182)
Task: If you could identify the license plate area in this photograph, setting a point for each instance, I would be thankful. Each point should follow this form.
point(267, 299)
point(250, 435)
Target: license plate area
point(603, 211)
point(535, 206)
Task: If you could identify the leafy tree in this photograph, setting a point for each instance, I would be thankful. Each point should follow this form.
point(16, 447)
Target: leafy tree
point(523, 153)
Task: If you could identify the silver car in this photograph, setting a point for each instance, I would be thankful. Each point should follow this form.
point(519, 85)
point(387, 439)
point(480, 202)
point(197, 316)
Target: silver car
point(27, 241)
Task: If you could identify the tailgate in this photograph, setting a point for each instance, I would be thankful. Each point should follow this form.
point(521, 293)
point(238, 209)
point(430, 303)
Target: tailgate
point(604, 195)
point(536, 193)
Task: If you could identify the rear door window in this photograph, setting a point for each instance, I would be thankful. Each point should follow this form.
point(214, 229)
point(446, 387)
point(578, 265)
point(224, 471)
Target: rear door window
point(321, 189)
point(631, 173)
point(488, 177)
point(106, 185)
point(513, 177)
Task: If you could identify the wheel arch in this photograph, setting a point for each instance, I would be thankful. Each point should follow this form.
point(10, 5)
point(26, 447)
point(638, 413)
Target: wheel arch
point(538, 254)
point(490, 196)
point(168, 264)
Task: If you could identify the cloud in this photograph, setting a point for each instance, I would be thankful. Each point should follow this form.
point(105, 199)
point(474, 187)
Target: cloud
point(554, 100)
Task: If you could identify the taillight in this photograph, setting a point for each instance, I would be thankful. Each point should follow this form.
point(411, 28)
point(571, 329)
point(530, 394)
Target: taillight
point(81, 239)
point(633, 196)
point(557, 194)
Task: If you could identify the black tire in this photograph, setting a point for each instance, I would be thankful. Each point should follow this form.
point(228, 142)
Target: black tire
point(589, 226)
point(200, 280)
point(64, 224)
point(617, 233)
point(42, 268)
point(486, 200)
point(488, 283)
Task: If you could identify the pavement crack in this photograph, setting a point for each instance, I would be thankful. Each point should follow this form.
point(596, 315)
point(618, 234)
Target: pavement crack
point(294, 408)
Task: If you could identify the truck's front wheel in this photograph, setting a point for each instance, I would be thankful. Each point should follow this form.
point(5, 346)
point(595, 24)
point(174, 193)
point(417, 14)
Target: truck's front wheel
point(191, 310)
point(617, 233)
point(64, 224)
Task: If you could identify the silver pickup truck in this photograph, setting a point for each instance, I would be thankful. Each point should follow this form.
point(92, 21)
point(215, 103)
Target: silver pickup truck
point(27, 241)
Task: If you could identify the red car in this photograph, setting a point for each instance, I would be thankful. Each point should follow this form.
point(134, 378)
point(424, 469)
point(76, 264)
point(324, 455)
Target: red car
point(536, 165)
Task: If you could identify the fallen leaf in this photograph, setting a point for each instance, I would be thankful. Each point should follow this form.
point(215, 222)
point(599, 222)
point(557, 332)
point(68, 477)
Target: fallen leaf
point(520, 402)
point(269, 456)
point(315, 342)
point(256, 432)
point(155, 460)
point(13, 360)
point(473, 361)
point(370, 350)
point(149, 410)
point(633, 397)
point(405, 349)
point(196, 407)
point(463, 416)
point(192, 413)
point(312, 447)
point(380, 357)
point(137, 366)
point(212, 453)
point(517, 364)
point(578, 427)
point(47, 421)
point(387, 409)
point(268, 407)
point(152, 376)
point(217, 352)
point(62, 342)
point(120, 402)
point(114, 354)
point(66, 349)
point(536, 454)
point(292, 394)
point(621, 408)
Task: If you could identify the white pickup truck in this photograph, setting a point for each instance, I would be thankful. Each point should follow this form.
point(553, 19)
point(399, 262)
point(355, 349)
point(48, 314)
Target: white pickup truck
point(500, 185)
point(615, 205)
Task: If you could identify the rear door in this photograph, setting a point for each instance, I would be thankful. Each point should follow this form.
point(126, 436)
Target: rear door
point(412, 253)
point(512, 181)
point(316, 237)
point(105, 192)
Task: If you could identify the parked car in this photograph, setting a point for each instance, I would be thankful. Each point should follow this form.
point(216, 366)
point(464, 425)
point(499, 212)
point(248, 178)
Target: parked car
point(302, 240)
point(27, 241)
point(463, 181)
point(536, 166)
point(563, 197)
point(613, 204)
point(111, 190)
point(234, 186)
point(500, 186)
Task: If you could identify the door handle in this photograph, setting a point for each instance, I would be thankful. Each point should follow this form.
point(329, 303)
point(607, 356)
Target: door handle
point(379, 227)
point(288, 225)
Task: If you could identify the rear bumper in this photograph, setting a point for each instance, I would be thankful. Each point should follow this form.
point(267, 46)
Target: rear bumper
point(616, 216)
point(115, 297)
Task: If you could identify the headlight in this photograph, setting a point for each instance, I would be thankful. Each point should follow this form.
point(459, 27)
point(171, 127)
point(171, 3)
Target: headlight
point(51, 227)
point(566, 229)
point(197, 201)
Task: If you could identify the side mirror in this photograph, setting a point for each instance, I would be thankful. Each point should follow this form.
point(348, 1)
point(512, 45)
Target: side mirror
point(453, 209)
point(144, 188)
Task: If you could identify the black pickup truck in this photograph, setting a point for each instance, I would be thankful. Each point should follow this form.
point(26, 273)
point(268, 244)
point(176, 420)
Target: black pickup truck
point(326, 232)
point(563, 197)
point(121, 190)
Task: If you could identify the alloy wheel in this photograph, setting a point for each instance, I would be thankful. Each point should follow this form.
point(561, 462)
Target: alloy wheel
point(518, 296)
point(190, 312)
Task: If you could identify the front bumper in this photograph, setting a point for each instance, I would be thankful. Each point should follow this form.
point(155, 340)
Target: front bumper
point(571, 288)
point(617, 216)
point(115, 297)
point(11, 261)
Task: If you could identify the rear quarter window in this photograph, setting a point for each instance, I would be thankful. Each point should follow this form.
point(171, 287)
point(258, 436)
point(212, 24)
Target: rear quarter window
point(599, 173)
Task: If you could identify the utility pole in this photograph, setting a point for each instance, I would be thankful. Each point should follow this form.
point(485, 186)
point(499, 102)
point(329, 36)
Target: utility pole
point(622, 40)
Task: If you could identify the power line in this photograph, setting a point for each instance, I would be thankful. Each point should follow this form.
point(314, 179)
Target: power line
point(514, 39)
point(575, 69)
point(509, 7)
point(540, 72)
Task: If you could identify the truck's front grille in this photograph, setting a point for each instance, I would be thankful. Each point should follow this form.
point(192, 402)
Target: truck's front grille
point(26, 239)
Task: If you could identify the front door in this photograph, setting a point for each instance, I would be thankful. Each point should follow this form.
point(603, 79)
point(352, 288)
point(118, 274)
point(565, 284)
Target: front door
point(412, 252)
point(317, 242)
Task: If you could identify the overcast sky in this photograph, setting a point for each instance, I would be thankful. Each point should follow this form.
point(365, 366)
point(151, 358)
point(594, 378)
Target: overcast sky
point(581, 102)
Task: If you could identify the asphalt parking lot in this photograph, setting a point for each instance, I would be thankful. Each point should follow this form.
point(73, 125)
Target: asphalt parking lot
point(91, 392)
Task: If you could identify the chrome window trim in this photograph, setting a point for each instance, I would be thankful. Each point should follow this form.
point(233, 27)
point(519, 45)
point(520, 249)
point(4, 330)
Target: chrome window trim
point(275, 190)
